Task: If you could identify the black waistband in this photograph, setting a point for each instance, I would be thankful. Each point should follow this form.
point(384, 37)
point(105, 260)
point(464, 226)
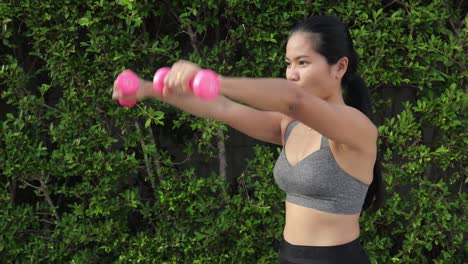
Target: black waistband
point(291, 251)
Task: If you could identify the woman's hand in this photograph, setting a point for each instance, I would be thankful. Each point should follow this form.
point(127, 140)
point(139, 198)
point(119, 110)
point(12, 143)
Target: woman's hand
point(178, 79)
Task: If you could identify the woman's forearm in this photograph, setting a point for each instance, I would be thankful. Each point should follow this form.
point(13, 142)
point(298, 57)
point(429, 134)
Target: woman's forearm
point(273, 94)
point(190, 103)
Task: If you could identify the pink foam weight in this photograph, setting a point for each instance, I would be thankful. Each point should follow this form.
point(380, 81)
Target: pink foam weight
point(158, 79)
point(205, 84)
point(127, 83)
point(127, 103)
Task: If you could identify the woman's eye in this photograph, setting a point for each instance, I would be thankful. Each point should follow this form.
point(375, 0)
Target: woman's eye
point(302, 63)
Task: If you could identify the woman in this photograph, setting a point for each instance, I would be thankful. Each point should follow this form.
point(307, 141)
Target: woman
point(328, 166)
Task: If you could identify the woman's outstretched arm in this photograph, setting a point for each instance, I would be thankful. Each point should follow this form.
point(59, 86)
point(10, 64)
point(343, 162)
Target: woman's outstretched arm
point(262, 125)
point(339, 122)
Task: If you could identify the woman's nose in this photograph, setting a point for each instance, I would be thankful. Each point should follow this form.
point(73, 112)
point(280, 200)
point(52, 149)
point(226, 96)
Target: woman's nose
point(292, 75)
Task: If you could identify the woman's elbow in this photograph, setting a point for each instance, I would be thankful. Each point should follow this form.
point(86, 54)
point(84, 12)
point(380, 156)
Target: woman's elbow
point(293, 100)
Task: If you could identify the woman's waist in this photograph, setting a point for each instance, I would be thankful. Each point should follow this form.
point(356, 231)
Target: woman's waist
point(308, 226)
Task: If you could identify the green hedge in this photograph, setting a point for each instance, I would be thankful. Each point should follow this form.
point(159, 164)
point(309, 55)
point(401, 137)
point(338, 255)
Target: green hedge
point(86, 181)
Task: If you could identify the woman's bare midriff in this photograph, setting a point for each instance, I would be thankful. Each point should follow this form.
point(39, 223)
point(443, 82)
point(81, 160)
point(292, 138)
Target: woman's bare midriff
point(311, 227)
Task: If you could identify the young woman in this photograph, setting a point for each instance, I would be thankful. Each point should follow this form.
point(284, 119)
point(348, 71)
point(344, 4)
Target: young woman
point(320, 114)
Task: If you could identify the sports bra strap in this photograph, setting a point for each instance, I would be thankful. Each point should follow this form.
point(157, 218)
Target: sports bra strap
point(324, 142)
point(289, 129)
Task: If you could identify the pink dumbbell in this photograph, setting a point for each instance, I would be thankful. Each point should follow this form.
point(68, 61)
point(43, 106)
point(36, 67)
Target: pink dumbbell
point(127, 83)
point(205, 83)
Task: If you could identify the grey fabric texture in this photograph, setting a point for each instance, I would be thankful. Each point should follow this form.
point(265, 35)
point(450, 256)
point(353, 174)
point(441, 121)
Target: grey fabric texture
point(318, 182)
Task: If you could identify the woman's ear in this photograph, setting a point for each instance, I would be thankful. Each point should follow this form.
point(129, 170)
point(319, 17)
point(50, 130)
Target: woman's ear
point(340, 67)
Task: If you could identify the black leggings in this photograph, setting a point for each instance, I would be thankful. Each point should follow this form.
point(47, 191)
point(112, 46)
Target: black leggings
point(349, 253)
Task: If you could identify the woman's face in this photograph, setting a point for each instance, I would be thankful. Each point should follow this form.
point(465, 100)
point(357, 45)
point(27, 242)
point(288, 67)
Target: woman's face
point(308, 68)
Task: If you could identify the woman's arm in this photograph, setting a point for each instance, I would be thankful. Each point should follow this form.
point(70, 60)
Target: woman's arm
point(261, 125)
point(341, 123)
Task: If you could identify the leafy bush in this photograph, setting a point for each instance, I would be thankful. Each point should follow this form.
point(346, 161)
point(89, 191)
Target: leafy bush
point(86, 181)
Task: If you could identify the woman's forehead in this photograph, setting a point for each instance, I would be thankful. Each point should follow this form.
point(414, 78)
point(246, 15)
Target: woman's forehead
point(300, 44)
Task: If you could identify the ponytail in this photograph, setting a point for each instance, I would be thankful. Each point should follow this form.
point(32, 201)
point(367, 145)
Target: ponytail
point(356, 95)
point(375, 193)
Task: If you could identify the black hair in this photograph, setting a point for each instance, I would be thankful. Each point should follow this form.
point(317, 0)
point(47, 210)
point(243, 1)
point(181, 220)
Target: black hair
point(332, 39)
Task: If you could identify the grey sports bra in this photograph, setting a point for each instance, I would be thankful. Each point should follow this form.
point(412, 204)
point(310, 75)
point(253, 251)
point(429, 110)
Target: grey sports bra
point(318, 182)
